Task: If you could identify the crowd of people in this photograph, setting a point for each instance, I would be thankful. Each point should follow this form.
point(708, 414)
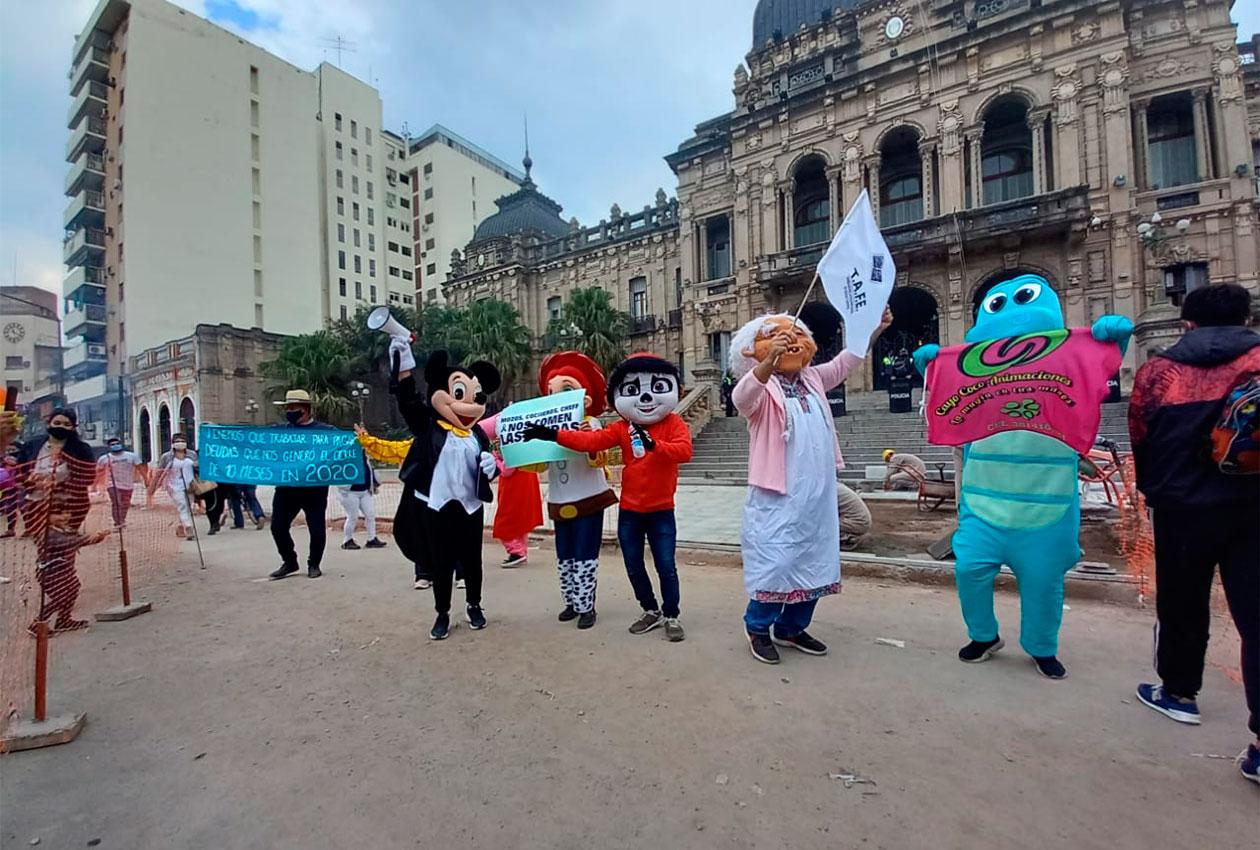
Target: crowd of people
point(1192, 419)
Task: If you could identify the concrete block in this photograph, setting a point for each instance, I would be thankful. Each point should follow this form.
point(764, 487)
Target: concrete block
point(123, 612)
point(32, 735)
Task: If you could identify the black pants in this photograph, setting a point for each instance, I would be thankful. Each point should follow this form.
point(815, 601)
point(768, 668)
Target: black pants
point(287, 504)
point(1189, 545)
point(452, 541)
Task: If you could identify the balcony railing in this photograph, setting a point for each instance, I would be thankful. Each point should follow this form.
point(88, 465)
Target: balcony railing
point(642, 324)
point(81, 245)
point(92, 101)
point(88, 172)
point(1051, 212)
point(89, 135)
point(82, 358)
point(87, 389)
point(87, 321)
point(85, 285)
point(92, 66)
point(85, 209)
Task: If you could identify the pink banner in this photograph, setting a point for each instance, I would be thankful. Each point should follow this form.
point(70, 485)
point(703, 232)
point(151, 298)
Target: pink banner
point(1052, 382)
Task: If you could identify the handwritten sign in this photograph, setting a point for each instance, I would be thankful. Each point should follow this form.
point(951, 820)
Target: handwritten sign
point(1052, 382)
point(562, 410)
point(284, 457)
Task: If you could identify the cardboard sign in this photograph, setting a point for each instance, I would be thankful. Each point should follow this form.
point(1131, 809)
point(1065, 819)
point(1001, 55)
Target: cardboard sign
point(283, 457)
point(1052, 382)
point(562, 410)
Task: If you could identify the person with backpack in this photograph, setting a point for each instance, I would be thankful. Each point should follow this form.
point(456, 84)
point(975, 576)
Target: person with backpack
point(1193, 421)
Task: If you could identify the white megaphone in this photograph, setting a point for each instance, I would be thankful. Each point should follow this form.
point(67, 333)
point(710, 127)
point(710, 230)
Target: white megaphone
point(380, 319)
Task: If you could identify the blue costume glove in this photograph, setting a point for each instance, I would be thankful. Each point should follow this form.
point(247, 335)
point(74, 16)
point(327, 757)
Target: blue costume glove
point(923, 355)
point(1115, 329)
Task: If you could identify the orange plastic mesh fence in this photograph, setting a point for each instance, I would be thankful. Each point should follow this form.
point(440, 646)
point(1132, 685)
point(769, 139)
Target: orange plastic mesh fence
point(61, 560)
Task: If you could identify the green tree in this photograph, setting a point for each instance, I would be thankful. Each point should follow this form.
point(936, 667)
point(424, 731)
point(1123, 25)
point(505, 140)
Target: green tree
point(492, 330)
point(589, 323)
point(319, 363)
point(369, 350)
point(440, 327)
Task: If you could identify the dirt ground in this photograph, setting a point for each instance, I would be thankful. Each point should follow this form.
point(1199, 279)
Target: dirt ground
point(306, 714)
point(900, 528)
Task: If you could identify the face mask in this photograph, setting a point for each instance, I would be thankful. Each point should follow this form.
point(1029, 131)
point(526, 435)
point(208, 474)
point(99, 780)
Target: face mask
point(294, 416)
point(115, 448)
point(58, 433)
point(179, 444)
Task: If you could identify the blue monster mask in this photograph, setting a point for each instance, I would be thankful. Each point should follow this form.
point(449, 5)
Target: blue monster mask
point(1023, 305)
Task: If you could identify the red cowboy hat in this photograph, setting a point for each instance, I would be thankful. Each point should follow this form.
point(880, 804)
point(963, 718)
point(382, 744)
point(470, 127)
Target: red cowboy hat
point(581, 368)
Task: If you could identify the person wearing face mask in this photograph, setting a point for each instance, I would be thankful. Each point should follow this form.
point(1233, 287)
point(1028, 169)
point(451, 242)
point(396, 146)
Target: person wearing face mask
point(288, 502)
point(58, 470)
point(120, 468)
point(790, 542)
point(177, 469)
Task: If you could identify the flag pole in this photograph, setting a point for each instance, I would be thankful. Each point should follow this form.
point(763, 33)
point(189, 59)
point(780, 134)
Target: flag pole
point(805, 300)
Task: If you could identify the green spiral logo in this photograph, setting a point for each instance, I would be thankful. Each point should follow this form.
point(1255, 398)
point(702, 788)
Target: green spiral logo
point(995, 356)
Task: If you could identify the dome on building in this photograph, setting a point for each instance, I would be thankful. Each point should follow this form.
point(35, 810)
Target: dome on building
point(786, 16)
point(525, 211)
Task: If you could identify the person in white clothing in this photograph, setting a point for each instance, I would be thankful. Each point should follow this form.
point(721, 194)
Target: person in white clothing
point(120, 470)
point(178, 468)
point(360, 499)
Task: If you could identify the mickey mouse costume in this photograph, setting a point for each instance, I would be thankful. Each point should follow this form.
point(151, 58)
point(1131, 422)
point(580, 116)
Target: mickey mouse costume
point(654, 441)
point(446, 474)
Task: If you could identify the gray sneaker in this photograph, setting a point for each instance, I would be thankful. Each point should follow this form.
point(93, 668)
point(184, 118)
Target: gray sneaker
point(673, 630)
point(645, 624)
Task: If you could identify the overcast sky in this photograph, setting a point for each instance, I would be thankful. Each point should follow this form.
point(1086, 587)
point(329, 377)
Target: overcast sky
point(610, 87)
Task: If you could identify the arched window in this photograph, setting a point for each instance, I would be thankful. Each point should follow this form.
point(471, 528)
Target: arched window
point(1170, 141)
point(1006, 152)
point(916, 321)
point(145, 429)
point(164, 429)
point(188, 421)
point(900, 179)
point(811, 204)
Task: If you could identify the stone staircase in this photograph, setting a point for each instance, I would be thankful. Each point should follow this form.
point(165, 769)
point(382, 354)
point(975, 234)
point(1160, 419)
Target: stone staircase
point(721, 450)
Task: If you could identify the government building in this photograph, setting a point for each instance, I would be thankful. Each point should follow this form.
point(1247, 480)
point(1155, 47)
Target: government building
point(1110, 146)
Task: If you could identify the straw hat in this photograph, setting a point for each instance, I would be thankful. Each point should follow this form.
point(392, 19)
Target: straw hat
point(294, 397)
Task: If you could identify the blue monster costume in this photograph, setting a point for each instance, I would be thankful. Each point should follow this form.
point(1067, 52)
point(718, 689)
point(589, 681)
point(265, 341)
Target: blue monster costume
point(1020, 498)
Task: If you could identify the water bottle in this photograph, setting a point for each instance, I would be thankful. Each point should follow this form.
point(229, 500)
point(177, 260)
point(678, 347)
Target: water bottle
point(636, 443)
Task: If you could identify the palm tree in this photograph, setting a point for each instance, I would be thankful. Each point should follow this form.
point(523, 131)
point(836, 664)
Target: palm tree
point(492, 330)
point(369, 349)
point(319, 363)
point(589, 323)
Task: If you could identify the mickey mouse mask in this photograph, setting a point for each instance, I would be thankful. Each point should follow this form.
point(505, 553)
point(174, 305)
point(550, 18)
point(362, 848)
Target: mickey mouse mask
point(458, 393)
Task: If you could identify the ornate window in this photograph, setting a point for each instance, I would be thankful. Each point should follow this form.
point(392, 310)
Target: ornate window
point(717, 246)
point(811, 204)
point(1170, 141)
point(1006, 153)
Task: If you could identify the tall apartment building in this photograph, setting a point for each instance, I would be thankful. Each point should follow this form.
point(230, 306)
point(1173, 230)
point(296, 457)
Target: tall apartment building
point(212, 182)
point(453, 187)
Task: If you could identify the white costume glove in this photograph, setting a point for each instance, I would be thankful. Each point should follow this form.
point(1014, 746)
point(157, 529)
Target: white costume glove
point(401, 345)
point(489, 467)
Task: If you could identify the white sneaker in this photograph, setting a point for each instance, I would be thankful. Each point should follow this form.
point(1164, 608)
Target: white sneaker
point(423, 584)
point(459, 584)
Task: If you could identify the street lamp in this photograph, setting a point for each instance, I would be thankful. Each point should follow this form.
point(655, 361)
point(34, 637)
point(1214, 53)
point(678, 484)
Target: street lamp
point(360, 391)
point(252, 408)
point(1153, 234)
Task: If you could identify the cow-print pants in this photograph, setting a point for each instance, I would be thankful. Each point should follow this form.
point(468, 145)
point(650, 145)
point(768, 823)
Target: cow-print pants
point(577, 557)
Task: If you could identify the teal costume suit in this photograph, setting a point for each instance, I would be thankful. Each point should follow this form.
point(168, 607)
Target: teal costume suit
point(1021, 503)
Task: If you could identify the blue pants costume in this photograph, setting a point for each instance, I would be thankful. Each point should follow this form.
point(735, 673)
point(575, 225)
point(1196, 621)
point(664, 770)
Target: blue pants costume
point(1020, 507)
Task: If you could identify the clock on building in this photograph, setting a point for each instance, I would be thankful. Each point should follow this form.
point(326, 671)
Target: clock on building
point(895, 26)
point(14, 332)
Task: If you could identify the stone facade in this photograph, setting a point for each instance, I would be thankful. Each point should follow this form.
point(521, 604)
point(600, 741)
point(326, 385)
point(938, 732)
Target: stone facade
point(994, 137)
point(210, 376)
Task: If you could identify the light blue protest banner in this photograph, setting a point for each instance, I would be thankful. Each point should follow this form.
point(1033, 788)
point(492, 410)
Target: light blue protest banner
point(283, 457)
point(562, 410)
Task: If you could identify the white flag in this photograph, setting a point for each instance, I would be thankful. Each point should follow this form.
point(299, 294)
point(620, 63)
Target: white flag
point(858, 275)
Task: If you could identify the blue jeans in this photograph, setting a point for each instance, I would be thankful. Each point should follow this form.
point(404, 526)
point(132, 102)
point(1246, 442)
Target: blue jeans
point(788, 620)
point(662, 535)
point(248, 494)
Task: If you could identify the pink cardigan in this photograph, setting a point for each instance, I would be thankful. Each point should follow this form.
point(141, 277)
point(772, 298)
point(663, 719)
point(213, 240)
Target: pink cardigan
point(764, 408)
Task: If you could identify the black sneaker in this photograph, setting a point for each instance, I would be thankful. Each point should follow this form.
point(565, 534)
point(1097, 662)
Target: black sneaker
point(350, 544)
point(285, 571)
point(586, 620)
point(375, 543)
point(214, 529)
point(567, 614)
point(476, 619)
point(804, 642)
point(441, 627)
point(1050, 667)
point(512, 561)
point(977, 651)
point(763, 648)
point(313, 572)
point(645, 624)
